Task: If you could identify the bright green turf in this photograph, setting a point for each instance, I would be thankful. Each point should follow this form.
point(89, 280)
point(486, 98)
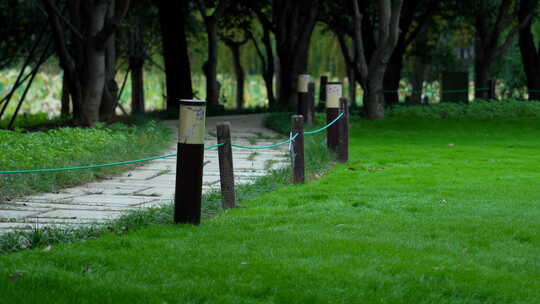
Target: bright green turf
point(425, 212)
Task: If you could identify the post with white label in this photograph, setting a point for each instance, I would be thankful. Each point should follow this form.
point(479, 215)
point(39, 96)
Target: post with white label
point(302, 90)
point(189, 163)
point(334, 92)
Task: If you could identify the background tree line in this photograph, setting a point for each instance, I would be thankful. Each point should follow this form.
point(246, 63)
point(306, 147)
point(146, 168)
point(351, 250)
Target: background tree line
point(375, 44)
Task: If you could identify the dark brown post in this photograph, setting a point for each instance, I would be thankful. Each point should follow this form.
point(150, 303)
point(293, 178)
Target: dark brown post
point(298, 149)
point(189, 163)
point(302, 90)
point(322, 94)
point(333, 93)
point(310, 111)
point(226, 173)
point(343, 148)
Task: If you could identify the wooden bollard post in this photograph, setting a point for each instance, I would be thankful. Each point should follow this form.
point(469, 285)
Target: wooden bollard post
point(226, 173)
point(298, 149)
point(322, 94)
point(189, 163)
point(334, 92)
point(302, 90)
point(310, 111)
point(343, 147)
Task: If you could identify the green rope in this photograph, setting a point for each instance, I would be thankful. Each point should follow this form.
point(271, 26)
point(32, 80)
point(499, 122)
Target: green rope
point(325, 127)
point(88, 167)
point(445, 91)
point(99, 166)
point(268, 146)
point(171, 155)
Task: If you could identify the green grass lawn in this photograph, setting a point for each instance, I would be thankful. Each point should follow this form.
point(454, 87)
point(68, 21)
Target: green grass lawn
point(425, 212)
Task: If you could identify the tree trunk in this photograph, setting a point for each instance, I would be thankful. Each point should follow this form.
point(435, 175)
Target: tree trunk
point(136, 66)
point(352, 86)
point(210, 66)
point(295, 21)
point(530, 55)
point(392, 76)
point(417, 80)
point(239, 73)
point(94, 76)
point(64, 110)
point(269, 71)
point(175, 52)
point(374, 97)
point(110, 91)
point(481, 76)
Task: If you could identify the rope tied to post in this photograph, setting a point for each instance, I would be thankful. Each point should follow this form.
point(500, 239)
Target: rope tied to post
point(288, 141)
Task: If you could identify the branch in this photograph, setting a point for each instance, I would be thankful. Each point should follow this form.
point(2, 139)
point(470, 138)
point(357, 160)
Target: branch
point(53, 10)
point(66, 61)
point(508, 41)
point(112, 26)
point(258, 49)
point(220, 9)
point(361, 64)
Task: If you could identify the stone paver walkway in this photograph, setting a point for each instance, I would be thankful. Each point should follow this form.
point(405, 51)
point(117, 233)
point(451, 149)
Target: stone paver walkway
point(146, 186)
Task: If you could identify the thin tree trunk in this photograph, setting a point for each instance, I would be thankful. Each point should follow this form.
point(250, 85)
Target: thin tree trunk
point(110, 91)
point(295, 21)
point(210, 66)
point(269, 71)
point(137, 85)
point(239, 73)
point(530, 55)
point(64, 110)
point(352, 86)
point(392, 77)
point(417, 80)
point(175, 51)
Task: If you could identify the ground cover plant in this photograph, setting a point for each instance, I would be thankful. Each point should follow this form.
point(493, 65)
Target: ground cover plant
point(425, 212)
point(70, 147)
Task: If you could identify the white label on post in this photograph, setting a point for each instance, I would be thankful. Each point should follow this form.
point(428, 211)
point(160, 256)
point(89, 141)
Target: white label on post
point(191, 125)
point(333, 94)
point(303, 82)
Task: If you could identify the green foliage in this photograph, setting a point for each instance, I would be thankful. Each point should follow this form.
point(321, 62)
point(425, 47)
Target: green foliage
point(70, 147)
point(484, 110)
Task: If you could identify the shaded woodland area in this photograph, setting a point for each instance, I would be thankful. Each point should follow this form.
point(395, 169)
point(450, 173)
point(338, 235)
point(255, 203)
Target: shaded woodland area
point(381, 44)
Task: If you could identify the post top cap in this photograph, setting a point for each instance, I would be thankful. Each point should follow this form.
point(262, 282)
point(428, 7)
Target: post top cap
point(193, 102)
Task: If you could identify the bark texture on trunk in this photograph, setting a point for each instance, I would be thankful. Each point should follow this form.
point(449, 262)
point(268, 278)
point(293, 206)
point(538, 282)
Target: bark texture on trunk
point(175, 52)
point(88, 61)
point(137, 57)
point(267, 57)
point(238, 71)
point(294, 22)
point(210, 66)
point(110, 91)
point(371, 71)
point(530, 53)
